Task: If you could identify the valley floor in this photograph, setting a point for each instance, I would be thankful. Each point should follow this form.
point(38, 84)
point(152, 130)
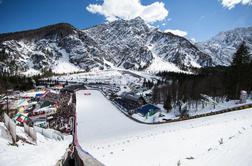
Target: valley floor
point(114, 139)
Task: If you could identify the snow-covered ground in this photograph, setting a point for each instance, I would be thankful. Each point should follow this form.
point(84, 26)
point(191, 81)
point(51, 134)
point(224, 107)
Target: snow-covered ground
point(106, 76)
point(46, 153)
point(110, 76)
point(114, 139)
point(125, 80)
point(209, 107)
point(192, 110)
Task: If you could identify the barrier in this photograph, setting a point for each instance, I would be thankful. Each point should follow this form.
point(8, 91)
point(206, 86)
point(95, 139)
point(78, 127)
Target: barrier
point(84, 158)
point(11, 126)
point(13, 130)
point(31, 132)
point(50, 133)
point(6, 121)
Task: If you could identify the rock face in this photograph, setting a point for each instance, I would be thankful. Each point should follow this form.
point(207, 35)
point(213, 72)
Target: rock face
point(124, 42)
point(222, 47)
point(178, 50)
point(132, 44)
point(128, 44)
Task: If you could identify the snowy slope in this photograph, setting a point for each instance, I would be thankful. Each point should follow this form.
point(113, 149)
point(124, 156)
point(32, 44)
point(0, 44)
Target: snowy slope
point(46, 152)
point(114, 139)
point(63, 65)
point(159, 65)
point(91, 127)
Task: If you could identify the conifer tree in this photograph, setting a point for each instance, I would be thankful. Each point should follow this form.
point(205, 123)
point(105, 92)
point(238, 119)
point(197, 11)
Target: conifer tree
point(241, 56)
point(167, 103)
point(239, 70)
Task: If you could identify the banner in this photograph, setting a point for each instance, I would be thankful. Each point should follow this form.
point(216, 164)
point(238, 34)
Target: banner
point(13, 130)
point(50, 133)
point(11, 126)
point(6, 121)
point(31, 132)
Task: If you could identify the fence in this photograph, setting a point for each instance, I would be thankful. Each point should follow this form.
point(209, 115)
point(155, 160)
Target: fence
point(31, 132)
point(50, 133)
point(11, 126)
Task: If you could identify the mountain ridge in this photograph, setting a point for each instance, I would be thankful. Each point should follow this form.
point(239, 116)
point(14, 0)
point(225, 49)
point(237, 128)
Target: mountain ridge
point(222, 46)
point(130, 44)
point(20, 34)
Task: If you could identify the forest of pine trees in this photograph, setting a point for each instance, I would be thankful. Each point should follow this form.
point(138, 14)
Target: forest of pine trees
point(15, 82)
point(219, 81)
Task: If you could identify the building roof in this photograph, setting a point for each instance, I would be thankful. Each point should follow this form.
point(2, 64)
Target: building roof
point(148, 108)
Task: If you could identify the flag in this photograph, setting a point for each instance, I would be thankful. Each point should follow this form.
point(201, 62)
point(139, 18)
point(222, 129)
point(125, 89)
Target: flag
point(21, 117)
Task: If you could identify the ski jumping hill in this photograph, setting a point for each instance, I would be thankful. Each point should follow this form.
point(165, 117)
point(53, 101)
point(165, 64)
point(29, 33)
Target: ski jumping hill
point(114, 139)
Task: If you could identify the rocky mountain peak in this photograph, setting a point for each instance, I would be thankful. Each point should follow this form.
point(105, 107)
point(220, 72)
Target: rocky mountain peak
point(128, 44)
point(223, 46)
point(61, 29)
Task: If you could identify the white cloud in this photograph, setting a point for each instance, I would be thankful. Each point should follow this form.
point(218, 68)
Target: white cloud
point(129, 9)
point(231, 3)
point(176, 32)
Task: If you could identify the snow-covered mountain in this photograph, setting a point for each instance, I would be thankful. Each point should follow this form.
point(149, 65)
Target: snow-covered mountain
point(59, 47)
point(133, 44)
point(124, 44)
point(222, 47)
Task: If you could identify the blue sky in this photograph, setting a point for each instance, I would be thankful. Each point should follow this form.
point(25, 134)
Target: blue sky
point(199, 19)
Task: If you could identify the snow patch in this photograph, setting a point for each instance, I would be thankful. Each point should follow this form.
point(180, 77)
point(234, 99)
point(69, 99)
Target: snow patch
point(63, 65)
